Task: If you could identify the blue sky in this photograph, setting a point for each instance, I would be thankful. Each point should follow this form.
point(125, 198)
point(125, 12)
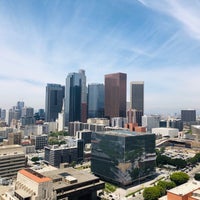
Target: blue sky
point(157, 42)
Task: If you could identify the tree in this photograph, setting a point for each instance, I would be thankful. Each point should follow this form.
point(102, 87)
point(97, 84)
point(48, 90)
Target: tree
point(152, 193)
point(162, 150)
point(197, 177)
point(73, 164)
point(166, 185)
point(179, 178)
point(34, 159)
point(179, 163)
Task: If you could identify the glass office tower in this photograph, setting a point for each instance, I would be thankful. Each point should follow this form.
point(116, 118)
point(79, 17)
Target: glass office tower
point(95, 100)
point(53, 101)
point(115, 95)
point(123, 157)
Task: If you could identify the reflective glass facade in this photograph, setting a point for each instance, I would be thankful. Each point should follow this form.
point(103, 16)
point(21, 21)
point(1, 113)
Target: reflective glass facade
point(53, 101)
point(115, 95)
point(123, 157)
point(137, 95)
point(95, 100)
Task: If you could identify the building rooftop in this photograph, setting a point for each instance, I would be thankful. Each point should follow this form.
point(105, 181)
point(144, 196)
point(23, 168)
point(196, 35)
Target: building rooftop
point(124, 133)
point(11, 150)
point(196, 126)
point(64, 146)
point(165, 128)
point(62, 174)
point(35, 176)
point(185, 188)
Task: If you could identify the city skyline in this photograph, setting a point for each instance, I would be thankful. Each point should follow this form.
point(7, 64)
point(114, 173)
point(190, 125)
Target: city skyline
point(158, 43)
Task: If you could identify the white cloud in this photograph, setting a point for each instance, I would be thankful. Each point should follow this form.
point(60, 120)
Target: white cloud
point(186, 12)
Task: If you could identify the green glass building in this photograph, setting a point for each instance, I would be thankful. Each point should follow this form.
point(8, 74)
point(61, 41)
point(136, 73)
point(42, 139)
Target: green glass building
point(123, 157)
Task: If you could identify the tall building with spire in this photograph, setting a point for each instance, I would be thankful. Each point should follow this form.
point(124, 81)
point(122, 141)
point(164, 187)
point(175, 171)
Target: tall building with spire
point(115, 95)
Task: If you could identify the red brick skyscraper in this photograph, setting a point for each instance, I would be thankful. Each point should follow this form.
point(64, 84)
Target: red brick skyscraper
point(115, 95)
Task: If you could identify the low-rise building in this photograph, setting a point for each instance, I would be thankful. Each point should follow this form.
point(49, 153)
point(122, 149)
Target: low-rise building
point(186, 191)
point(12, 159)
point(166, 132)
point(67, 183)
point(40, 141)
point(55, 155)
point(150, 122)
point(196, 132)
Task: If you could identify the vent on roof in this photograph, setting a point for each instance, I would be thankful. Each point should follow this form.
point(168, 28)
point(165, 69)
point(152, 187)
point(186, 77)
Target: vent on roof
point(70, 179)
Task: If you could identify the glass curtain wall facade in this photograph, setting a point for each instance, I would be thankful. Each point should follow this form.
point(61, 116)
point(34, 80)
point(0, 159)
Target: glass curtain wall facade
point(123, 157)
point(137, 95)
point(95, 100)
point(54, 101)
point(73, 98)
point(115, 95)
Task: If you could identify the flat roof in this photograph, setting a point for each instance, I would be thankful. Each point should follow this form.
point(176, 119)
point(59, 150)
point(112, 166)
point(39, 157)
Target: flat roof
point(196, 126)
point(80, 175)
point(11, 150)
point(35, 176)
point(124, 133)
point(185, 188)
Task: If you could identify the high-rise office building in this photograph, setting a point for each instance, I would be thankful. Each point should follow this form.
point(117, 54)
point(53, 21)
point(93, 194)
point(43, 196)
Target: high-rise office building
point(137, 99)
point(188, 115)
point(54, 101)
point(123, 157)
point(95, 100)
point(75, 97)
point(137, 95)
point(27, 116)
point(20, 105)
point(3, 114)
point(115, 95)
point(83, 96)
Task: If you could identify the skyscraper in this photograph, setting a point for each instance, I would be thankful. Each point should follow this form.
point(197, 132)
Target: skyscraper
point(137, 95)
point(54, 101)
point(95, 100)
point(75, 97)
point(83, 96)
point(137, 99)
point(27, 116)
point(20, 105)
point(188, 115)
point(115, 95)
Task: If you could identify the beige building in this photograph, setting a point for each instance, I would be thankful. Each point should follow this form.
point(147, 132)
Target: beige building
point(14, 138)
point(166, 132)
point(103, 121)
point(196, 132)
point(12, 159)
point(69, 184)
